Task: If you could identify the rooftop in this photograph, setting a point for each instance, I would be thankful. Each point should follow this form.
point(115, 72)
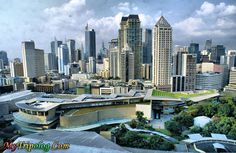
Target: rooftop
point(86, 142)
point(162, 22)
point(15, 95)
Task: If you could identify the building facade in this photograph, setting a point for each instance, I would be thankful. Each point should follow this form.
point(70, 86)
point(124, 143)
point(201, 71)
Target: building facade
point(33, 60)
point(63, 58)
point(162, 51)
point(127, 64)
point(130, 33)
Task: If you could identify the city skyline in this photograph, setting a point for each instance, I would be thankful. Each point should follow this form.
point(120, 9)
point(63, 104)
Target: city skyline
point(67, 19)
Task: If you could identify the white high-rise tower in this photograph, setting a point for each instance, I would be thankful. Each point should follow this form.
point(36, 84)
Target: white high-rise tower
point(162, 51)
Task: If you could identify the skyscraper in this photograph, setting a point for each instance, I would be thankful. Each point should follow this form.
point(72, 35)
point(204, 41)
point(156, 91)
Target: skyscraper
point(162, 50)
point(113, 61)
point(48, 61)
point(71, 48)
point(3, 57)
point(90, 43)
point(147, 46)
point(178, 59)
point(16, 68)
point(216, 52)
point(113, 54)
point(54, 50)
point(189, 62)
point(92, 65)
point(63, 58)
point(194, 49)
point(127, 64)
point(130, 33)
point(33, 60)
point(208, 45)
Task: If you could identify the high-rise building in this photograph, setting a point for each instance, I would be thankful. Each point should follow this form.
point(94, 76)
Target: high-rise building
point(147, 46)
point(16, 68)
point(63, 58)
point(33, 60)
point(48, 61)
point(184, 69)
point(194, 49)
point(92, 65)
point(216, 52)
point(127, 64)
point(3, 57)
point(208, 45)
point(162, 51)
point(102, 54)
point(130, 33)
point(1, 64)
point(78, 55)
point(90, 43)
point(54, 50)
point(146, 71)
point(231, 58)
point(177, 59)
point(113, 61)
point(71, 48)
point(189, 62)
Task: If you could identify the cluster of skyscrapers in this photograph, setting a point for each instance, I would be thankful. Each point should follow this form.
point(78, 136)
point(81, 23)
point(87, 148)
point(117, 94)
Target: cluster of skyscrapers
point(137, 53)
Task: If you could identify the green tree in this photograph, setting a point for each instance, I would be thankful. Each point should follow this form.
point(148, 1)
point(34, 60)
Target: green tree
point(174, 127)
point(224, 110)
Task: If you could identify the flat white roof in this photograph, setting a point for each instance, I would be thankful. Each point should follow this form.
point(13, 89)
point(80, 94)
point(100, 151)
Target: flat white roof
point(12, 96)
point(219, 136)
point(195, 136)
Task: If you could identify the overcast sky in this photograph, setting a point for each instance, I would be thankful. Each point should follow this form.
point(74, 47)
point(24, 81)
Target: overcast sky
point(42, 20)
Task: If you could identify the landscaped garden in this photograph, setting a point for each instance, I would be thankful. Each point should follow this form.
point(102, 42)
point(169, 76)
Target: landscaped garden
point(127, 138)
point(160, 93)
point(222, 115)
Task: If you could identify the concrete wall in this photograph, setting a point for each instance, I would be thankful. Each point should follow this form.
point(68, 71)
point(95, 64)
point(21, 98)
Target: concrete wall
point(146, 109)
point(93, 117)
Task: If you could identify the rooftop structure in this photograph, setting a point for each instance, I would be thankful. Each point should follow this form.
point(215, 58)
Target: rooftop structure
point(85, 142)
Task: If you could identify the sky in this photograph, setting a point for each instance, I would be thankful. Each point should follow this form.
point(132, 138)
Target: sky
point(43, 20)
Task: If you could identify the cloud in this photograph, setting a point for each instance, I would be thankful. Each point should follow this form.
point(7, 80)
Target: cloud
point(221, 9)
point(209, 21)
point(126, 7)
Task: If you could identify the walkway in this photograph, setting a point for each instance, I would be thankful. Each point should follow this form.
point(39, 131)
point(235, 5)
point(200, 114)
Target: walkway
point(95, 125)
point(166, 137)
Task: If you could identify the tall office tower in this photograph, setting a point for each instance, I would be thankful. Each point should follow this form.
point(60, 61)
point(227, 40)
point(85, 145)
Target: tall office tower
point(127, 64)
point(90, 43)
point(146, 71)
point(162, 51)
point(92, 65)
point(54, 50)
point(130, 33)
point(194, 49)
point(177, 59)
point(1, 64)
point(63, 58)
point(33, 60)
point(102, 54)
point(189, 62)
point(48, 61)
point(216, 52)
point(78, 55)
point(71, 48)
point(113, 61)
point(147, 46)
point(208, 45)
point(3, 56)
point(231, 58)
point(232, 76)
point(16, 68)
